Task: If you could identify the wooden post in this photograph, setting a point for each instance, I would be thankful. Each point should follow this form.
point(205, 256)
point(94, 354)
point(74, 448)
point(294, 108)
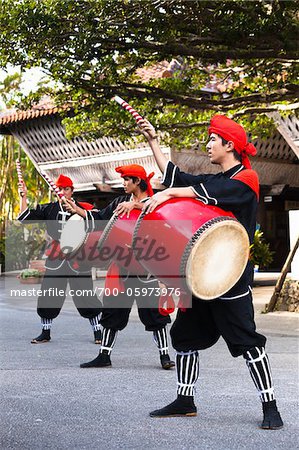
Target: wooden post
point(271, 305)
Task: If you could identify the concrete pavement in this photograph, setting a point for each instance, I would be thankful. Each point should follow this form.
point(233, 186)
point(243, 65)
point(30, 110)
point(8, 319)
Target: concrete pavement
point(48, 402)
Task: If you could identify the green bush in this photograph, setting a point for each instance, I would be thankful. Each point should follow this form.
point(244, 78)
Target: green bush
point(260, 253)
point(28, 273)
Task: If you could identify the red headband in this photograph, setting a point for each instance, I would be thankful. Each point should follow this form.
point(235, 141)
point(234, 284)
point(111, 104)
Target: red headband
point(134, 170)
point(63, 182)
point(230, 130)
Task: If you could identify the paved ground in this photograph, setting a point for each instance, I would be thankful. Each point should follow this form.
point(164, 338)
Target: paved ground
point(48, 402)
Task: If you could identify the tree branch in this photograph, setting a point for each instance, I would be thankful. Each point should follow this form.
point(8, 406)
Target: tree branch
point(210, 54)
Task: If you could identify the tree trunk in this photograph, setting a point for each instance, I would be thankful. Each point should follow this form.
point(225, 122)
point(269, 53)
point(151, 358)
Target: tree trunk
point(271, 305)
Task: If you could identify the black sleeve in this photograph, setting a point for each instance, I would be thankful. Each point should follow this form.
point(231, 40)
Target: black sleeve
point(174, 177)
point(41, 212)
point(107, 213)
point(96, 219)
point(227, 193)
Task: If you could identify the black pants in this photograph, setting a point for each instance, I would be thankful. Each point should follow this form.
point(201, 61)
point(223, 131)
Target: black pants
point(201, 326)
point(55, 281)
point(116, 317)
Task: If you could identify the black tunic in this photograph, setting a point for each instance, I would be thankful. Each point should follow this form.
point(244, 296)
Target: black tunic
point(59, 271)
point(224, 191)
point(232, 315)
point(55, 218)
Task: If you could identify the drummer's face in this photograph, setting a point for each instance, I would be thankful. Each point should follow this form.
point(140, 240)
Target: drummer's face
point(129, 185)
point(217, 152)
point(67, 192)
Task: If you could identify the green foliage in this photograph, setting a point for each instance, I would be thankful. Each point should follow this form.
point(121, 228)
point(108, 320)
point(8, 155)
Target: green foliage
point(29, 273)
point(260, 253)
point(93, 48)
point(22, 244)
point(10, 150)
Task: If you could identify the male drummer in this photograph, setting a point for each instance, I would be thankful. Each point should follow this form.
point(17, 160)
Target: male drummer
point(117, 309)
point(60, 271)
point(235, 189)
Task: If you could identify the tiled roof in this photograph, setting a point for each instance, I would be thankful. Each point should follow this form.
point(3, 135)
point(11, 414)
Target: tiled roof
point(45, 107)
point(152, 71)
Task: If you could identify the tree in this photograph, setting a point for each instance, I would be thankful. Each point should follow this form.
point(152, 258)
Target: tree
point(93, 48)
point(10, 150)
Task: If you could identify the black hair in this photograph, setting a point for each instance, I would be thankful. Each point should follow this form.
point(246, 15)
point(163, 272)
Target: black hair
point(224, 141)
point(142, 184)
point(237, 155)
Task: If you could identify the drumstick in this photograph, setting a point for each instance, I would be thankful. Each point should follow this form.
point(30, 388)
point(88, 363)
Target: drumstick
point(128, 108)
point(52, 185)
point(20, 175)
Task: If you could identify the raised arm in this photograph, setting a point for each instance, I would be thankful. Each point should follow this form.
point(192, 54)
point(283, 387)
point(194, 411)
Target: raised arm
point(72, 208)
point(22, 189)
point(149, 132)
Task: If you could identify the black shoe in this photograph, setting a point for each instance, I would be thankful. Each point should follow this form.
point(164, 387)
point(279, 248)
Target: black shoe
point(166, 362)
point(181, 407)
point(42, 338)
point(272, 419)
point(97, 337)
point(102, 360)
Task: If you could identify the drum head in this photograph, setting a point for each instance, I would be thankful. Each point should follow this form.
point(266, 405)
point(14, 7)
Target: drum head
point(73, 235)
point(217, 258)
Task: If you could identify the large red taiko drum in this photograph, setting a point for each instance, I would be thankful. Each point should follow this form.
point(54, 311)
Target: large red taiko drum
point(192, 246)
point(115, 243)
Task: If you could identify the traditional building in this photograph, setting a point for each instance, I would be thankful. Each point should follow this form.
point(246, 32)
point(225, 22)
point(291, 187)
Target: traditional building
point(90, 164)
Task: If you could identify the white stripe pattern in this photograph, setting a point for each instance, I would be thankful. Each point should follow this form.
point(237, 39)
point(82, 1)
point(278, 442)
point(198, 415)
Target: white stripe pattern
point(46, 323)
point(90, 226)
point(20, 218)
point(160, 338)
point(167, 169)
point(95, 322)
point(187, 372)
point(237, 171)
point(258, 363)
point(173, 175)
point(236, 296)
point(207, 195)
point(200, 197)
point(108, 340)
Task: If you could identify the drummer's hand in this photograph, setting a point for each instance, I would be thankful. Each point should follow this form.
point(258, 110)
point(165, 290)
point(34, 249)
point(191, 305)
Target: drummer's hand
point(147, 129)
point(22, 189)
point(70, 206)
point(155, 201)
point(124, 208)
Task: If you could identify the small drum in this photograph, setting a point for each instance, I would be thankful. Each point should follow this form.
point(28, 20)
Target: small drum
point(78, 245)
point(116, 242)
point(192, 246)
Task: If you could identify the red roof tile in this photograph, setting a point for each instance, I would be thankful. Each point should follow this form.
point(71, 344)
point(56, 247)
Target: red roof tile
point(43, 108)
point(152, 71)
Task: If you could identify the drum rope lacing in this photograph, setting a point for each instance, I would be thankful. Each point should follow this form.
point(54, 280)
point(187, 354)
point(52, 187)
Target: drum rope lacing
point(193, 240)
point(136, 229)
point(107, 230)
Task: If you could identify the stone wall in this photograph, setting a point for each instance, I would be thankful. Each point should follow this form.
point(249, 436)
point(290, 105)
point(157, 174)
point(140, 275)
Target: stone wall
point(288, 299)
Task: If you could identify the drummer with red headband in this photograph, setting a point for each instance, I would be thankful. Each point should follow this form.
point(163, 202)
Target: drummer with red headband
point(60, 271)
point(235, 189)
point(117, 309)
